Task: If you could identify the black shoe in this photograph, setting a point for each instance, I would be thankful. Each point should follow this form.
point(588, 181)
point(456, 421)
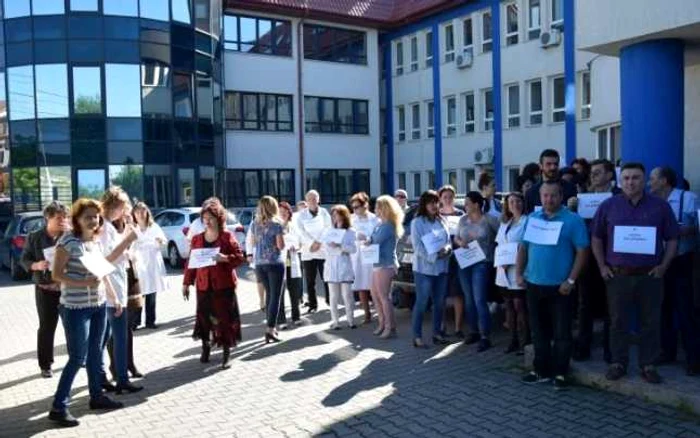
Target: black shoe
point(353, 327)
point(128, 387)
point(615, 372)
point(418, 343)
point(151, 326)
point(206, 350)
point(105, 403)
point(650, 375)
point(311, 310)
point(512, 347)
point(269, 337)
point(63, 419)
point(46, 374)
point(484, 345)
point(135, 373)
point(472, 339)
point(459, 334)
point(108, 387)
point(439, 340)
point(226, 362)
point(532, 377)
point(561, 383)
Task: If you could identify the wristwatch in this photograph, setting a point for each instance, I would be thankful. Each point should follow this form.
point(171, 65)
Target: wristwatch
point(571, 281)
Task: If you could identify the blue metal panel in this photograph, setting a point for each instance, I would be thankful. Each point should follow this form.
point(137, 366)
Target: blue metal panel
point(570, 77)
point(497, 94)
point(437, 105)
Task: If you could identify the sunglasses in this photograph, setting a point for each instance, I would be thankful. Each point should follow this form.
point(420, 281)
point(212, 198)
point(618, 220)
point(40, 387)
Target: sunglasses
point(400, 197)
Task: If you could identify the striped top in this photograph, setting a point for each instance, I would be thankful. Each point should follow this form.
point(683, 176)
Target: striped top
point(79, 297)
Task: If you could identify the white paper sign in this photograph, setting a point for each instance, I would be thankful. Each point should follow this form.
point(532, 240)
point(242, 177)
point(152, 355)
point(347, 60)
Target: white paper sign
point(588, 203)
point(634, 240)
point(434, 241)
point(452, 224)
point(506, 254)
point(333, 235)
point(370, 254)
point(542, 232)
point(291, 241)
point(470, 255)
point(49, 256)
point(202, 257)
point(98, 266)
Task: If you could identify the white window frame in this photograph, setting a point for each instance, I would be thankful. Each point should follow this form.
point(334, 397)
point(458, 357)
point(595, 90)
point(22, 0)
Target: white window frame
point(414, 45)
point(554, 22)
point(449, 55)
point(415, 128)
point(450, 128)
point(486, 42)
point(465, 45)
point(398, 50)
point(399, 177)
point(609, 135)
point(429, 55)
point(430, 119)
point(488, 121)
point(585, 107)
point(533, 32)
point(446, 177)
point(554, 110)
point(469, 124)
point(512, 119)
point(537, 113)
point(430, 174)
point(416, 194)
point(401, 119)
point(511, 38)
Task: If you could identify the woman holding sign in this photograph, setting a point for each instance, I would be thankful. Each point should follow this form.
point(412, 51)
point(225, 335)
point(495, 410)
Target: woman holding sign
point(292, 278)
point(338, 270)
point(364, 223)
point(475, 235)
point(451, 214)
point(432, 248)
point(383, 242)
point(82, 310)
point(509, 236)
point(214, 256)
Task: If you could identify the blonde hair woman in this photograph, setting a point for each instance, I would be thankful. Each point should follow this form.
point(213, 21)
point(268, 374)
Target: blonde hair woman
point(268, 238)
point(386, 234)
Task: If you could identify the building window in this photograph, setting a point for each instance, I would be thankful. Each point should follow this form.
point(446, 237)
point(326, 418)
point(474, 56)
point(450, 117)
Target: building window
point(486, 33)
point(123, 90)
point(431, 180)
point(451, 178)
point(488, 110)
point(430, 110)
point(246, 187)
point(513, 95)
point(535, 102)
point(449, 43)
point(470, 180)
point(610, 142)
point(468, 33)
point(417, 187)
point(87, 90)
point(558, 100)
point(51, 91)
point(414, 53)
point(415, 121)
point(337, 186)
point(451, 116)
point(338, 116)
point(557, 13)
point(469, 113)
point(513, 174)
point(585, 95)
point(258, 111)
point(402, 180)
point(399, 58)
point(511, 24)
point(257, 35)
point(534, 25)
point(323, 43)
point(402, 122)
point(429, 49)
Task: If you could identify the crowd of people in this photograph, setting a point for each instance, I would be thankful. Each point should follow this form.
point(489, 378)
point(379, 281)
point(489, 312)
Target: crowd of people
point(572, 244)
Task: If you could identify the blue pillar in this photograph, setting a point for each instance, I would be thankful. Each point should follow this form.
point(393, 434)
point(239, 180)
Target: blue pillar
point(389, 119)
point(570, 78)
point(652, 99)
point(497, 94)
point(437, 105)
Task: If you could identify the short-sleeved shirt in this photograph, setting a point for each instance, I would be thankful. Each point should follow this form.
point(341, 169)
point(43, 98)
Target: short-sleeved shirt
point(650, 211)
point(688, 217)
point(550, 265)
point(74, 297)
point(485, 231)
point(265, 242)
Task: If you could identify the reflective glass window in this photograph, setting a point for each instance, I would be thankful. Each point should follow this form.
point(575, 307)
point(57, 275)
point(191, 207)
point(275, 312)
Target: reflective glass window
point(51, 91)
point(258, 35)
point(125, 52)
point(87, 90)
point(25, 188)
point(56, 184)
point(53, 130)
point(202, 15)
point(157, 130)
point(85, 27)
point(19, 53)
point(205, 102)
point(125, 152)
point(87, 128)
point(91, 183)
point(186, 186)
point(17, 8)
point(47, 7)
point(185, 131)
point(49, 28)
point(156, 94)
point(20, 83)
point(325, 43)
point(155, 52)
point(347, 116)
point(183, 59)
point(182, 36)
point(129, 177)
point(155, 9)
point(155, 31)
point(128, 8)
point(121, 28)
point(158, 186)
point(181, 11)
point(54, 154)
point(182, 95)
point(85, 51)
point(124, 129)
point(18, 30)
point(204, 43)
point(88, 153)
point(123, 90)
point(157, 152)
point(52, 52)
point(24, 143)
point(83, 5)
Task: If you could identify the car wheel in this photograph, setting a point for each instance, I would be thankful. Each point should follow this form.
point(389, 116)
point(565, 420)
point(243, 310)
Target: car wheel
point(174, 259)
point(16, 272)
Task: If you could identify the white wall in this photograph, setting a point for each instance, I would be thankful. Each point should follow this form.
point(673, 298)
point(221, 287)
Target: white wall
point(605, 91)
point(692, 109)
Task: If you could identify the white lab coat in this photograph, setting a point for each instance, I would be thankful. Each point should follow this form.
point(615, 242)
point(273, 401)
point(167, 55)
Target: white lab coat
point(148, 262)
point(338, 266)
point(310, 230)
point(363, 272)
point(291, 235)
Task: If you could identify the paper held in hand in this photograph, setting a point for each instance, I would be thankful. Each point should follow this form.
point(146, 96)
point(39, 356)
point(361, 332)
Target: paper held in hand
point(588, 203)
point(434, 241)
point(505, 254)
point(370, 254)
point(542, 232)
point(634, 240)
point(98, 266)
point(292, 241)
point(49, 255)
point(452, 224)
point(333, 235)
point(202, 257)
point(470, 255)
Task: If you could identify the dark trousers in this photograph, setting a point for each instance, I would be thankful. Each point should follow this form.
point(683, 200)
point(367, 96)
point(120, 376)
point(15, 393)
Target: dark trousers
point(47, 303)
point(592, 300)
point(272, 278)
point(294, 288)
point(677, 311)
point(550, 322)
point(642, 293)
point(150, 310)
point(311, 269)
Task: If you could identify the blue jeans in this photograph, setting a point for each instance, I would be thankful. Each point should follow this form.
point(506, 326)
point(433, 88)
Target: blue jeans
point(475, 287)
point(272, 278)
point(85, 330)
point(118, 330)
point(429, 287)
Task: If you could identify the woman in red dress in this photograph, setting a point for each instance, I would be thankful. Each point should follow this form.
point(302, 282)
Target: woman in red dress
point(218, 317)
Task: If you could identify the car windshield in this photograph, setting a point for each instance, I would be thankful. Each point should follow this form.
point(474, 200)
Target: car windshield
point(194, 217)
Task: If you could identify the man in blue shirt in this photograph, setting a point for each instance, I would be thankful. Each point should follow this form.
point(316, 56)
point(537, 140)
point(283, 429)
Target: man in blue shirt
point(550, 259)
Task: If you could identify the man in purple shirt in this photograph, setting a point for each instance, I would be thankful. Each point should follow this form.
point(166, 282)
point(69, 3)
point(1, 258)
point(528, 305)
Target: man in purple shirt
point(635, 237)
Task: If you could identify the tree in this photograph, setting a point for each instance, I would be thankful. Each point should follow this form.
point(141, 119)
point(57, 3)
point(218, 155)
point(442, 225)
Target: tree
point(130, 178)
point(88, 105)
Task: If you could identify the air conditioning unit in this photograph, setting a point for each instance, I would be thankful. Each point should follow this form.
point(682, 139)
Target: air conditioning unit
point(466, 59)
point(550, 39)
point(483, 156)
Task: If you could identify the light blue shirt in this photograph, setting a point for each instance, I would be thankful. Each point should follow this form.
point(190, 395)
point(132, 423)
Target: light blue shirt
point(384, 235)
point(550, 265)
point(424, 263)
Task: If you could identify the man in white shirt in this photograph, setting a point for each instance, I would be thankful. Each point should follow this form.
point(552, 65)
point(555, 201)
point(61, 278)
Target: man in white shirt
point(402, 198)
point(311, 223)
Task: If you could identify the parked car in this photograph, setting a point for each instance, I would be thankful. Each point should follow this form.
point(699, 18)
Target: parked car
point(176, 223)
point(245, 216)
point(13, 240)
